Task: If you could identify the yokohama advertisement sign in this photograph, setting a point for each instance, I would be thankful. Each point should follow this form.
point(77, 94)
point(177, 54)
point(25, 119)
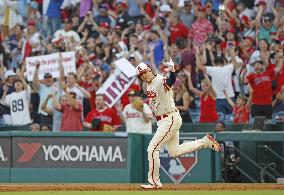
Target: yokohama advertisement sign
point(5, 152)
point(69, 152)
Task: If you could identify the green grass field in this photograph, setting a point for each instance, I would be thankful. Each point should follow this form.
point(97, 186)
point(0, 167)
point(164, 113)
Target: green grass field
point(148, 193)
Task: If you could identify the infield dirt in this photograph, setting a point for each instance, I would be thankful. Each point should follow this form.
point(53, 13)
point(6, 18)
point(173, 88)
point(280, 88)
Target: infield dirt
point(136, 187)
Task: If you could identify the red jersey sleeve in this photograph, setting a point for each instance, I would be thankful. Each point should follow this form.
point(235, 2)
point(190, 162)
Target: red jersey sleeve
point(250, 78)
point(115, 119)
point(271, 72)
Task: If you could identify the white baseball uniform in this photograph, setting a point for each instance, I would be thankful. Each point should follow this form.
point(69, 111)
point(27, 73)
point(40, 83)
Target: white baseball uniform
point(19, 106)
point(134, 120)
point(169, 122)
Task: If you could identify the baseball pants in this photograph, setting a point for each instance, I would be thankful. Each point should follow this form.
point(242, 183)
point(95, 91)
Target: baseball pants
point(167, 133)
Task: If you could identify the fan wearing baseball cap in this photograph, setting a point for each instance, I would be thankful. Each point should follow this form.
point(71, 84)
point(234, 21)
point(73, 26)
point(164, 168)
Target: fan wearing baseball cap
point(123, 19)
point(261, 84)
point(266, 23)
point(10, 77)
point(137, 115)
point(160, 95)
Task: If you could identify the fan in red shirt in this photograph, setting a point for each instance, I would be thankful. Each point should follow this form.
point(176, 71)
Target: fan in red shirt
point(91, 84)
point(201, 28)
point(208, 110)
point(230, 40)
point(71, 113)
point(261, 84)
point(240, 109)
point(177, 29)
point(102, 118)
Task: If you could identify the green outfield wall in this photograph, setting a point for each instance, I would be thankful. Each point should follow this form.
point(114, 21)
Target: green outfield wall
point(87, 157)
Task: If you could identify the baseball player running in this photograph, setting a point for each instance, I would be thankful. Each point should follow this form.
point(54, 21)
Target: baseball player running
point(160, 94)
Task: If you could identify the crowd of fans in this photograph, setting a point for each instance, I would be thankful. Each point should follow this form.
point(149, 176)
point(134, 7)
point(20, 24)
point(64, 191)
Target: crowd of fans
point(228, 57)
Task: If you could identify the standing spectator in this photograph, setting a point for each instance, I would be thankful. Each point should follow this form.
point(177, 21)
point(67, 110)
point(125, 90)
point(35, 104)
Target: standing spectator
point(158, 48)
point(186, 14)
point(177, 28)
point(137, 115)
point(32, 40)
point(221, 76)
point(57, 116)
point(261, 84)
point(134, 10)
point(71, 112)
point(53, 15)
point(43, 89)
point(262, 52)
point(103, 16)
point(16, 38)
point(265, 23)
point(201, 28)
point(89, 25)
point(123, 19)
point(72, 86)
point(240, 109)
point(208, 111)
point(182, 100)
point(211, 14)
point(90, 83)
point(67, 34)
point(10, 78)
point(187, 58)
point(230, 40)
point(102, 118)
point(18, 101)
point(247, 48)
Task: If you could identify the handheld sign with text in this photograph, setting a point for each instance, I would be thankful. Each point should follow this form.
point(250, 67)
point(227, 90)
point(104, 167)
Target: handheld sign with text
point(126, 67)
point(49, 64)
point(117, 83)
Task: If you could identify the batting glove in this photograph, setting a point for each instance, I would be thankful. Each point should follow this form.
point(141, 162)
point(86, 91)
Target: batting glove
point(171, 65)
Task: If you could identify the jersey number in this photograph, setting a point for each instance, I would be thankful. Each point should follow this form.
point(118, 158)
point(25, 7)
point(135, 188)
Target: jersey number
point(17, 105)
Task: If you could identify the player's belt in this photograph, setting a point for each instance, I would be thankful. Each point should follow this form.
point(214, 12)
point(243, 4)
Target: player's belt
point(158, 118)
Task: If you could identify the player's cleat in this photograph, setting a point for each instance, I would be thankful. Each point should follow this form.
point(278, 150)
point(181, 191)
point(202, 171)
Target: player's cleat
point(210, 142)
point(151, 186)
